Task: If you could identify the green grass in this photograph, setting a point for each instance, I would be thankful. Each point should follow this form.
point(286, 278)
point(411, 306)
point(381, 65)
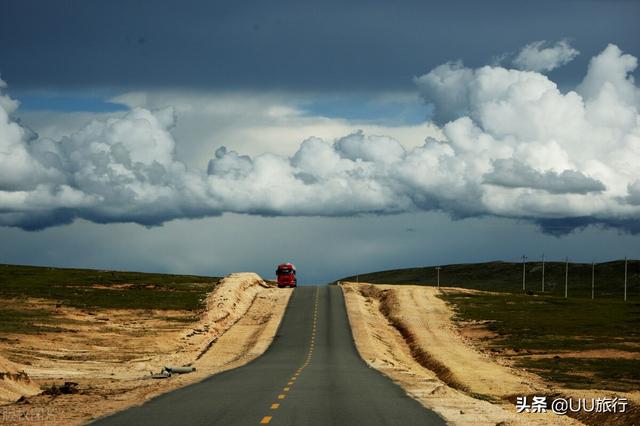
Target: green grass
point(76, 288)
point(579, 373)
point(26, 321)
point(507, 277)
point(546, 322)
point(550, 324)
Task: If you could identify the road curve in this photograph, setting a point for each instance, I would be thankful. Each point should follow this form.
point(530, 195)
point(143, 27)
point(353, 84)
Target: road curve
point(310, 375)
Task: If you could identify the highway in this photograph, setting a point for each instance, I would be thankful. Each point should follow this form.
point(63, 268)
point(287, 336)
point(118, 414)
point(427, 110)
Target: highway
point(310, 375)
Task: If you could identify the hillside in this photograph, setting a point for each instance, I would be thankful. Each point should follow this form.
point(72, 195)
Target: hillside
point(84, 288)
point(76, 344)
point(507, 277)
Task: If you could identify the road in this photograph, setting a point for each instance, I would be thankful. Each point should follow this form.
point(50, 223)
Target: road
point(310, 375)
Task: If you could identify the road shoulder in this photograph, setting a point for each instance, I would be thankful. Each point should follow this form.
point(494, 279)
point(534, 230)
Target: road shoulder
point(242, 317)
point(404, 334)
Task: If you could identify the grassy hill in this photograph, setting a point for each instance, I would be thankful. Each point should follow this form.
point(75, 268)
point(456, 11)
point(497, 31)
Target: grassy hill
point(88, 288)
point(507, 277)
point(542, 332)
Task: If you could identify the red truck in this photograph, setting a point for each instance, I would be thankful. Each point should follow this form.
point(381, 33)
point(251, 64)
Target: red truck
point(286, 274)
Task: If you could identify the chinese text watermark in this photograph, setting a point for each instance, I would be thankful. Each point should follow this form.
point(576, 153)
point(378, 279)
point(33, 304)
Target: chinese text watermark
point(26, 414)
point(562, 406)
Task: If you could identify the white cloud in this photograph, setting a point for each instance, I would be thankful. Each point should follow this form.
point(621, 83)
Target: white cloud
point(510, 145)
point(609, 76)
point(538, 57)
point(258, 123)
point(512, 173)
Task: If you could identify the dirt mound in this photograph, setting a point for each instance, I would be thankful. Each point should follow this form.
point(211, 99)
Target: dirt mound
point(99, 360)
point(14, 383)
point(405, 332)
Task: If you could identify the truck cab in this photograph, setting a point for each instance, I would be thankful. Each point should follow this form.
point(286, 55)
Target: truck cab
point(286, 274)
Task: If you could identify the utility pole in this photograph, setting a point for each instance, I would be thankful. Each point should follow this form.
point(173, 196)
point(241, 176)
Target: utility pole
point(543, 272)
point(625, 278)
point(438, 271)
point(566, 277)
point(593, 279)
point(524, 271)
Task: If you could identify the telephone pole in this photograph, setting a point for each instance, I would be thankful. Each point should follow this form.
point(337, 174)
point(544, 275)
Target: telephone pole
point(438, 271)
point(543, 272)
point(524, 271)
point(625, 278)
point(566, 277)
point(593, 279)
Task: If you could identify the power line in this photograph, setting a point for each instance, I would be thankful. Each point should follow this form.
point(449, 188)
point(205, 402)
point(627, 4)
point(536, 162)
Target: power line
point(524, 272)
point(543, 272)
point(625, 278)
point(593, 279)
point(566, 277)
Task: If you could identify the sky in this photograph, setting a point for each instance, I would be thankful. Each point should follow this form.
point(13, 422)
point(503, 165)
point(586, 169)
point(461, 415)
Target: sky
point(210, 137)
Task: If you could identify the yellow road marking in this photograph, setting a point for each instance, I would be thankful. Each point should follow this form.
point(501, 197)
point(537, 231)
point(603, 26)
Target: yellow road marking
point(266, 419)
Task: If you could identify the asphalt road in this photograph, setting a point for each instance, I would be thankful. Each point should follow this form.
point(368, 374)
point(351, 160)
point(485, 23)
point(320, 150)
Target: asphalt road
point(310, 375)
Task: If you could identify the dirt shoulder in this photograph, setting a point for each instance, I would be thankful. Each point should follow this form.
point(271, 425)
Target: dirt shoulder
point(406, 333)
point(111, 353)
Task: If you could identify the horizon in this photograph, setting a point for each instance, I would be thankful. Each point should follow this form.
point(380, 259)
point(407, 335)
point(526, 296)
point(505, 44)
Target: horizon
point(372, 137)
point(442, 265)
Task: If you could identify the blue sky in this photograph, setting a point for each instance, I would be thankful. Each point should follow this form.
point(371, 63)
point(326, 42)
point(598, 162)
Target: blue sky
point(262, 78)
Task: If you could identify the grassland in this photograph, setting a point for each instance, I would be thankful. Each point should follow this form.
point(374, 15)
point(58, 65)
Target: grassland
point(530, 326)
point(543, 332)
point(507, 277)
point(92, 289)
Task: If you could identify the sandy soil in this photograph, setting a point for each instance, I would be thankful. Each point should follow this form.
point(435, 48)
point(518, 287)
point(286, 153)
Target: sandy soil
point(111, 353)
point(15, 383)
point(406, 332)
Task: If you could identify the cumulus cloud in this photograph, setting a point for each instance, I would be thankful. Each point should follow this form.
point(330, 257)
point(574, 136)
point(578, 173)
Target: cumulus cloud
point(510, 144)
point(539, 56)
point(634, 193)
point(512, 173)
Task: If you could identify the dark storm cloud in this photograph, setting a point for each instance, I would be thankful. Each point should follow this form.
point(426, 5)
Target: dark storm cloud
point(323, 249)
point(561, 227)
point(285, 44)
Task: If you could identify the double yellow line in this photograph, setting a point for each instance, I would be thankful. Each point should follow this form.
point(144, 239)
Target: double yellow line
point(286, 389)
